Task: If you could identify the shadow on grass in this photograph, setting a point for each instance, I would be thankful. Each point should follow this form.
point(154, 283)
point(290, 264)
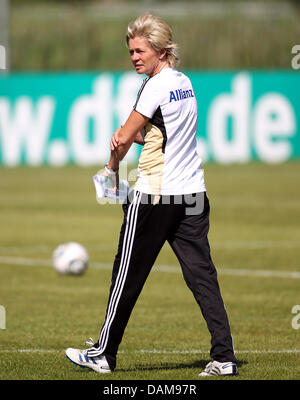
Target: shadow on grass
point(198, 364)
point(169, 366)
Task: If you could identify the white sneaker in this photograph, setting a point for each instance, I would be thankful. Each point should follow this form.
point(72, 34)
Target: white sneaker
point(214, 368)
point(80, 357)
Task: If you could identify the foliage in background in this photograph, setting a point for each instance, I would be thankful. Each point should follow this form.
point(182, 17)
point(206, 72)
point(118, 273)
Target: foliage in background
point(77, 35)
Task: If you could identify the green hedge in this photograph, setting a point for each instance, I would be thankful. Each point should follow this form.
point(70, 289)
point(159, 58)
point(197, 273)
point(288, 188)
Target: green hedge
point(67, 37)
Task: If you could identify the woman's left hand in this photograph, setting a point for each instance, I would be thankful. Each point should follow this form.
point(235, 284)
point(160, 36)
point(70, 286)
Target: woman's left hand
point(114, 142)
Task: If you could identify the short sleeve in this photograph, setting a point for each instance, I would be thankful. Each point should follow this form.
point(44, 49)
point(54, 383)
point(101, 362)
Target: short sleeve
point(148, 99)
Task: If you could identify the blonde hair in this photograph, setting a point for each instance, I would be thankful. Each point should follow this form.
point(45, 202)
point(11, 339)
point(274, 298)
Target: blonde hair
point(157, 32)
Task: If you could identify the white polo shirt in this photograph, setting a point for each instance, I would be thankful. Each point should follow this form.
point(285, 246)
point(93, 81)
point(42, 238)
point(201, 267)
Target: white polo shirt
point(169, 163)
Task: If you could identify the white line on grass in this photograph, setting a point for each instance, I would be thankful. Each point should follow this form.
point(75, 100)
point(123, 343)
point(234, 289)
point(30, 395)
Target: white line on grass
point(255, 244)
point(30, 351)
point(159, 268)
point(155, 351)
point(205, 352)
point(241, 272)
point(25, 261)
point(229, 244)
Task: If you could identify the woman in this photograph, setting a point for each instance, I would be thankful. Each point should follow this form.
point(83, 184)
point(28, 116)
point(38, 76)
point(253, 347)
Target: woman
point(168, 202)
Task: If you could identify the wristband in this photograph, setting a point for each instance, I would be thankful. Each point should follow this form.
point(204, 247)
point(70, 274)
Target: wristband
point(109, 171)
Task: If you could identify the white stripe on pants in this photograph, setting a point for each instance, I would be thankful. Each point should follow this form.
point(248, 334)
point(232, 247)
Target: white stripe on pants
point(117, 290)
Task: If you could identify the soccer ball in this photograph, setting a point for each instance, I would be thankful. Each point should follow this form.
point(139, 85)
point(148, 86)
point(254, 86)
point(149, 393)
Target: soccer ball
point(70, 259)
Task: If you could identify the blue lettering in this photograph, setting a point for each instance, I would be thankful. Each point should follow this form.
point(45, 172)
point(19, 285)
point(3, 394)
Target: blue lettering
point(180, 94)
point(172, 96)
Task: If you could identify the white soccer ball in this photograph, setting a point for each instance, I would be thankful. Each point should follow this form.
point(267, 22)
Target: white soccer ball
point(70, 259)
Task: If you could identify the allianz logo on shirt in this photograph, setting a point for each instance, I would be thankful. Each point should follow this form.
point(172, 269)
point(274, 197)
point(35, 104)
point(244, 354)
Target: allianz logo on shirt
point(180, 94)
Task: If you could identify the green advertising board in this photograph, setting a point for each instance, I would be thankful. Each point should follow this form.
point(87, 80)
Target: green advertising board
point(57, 119)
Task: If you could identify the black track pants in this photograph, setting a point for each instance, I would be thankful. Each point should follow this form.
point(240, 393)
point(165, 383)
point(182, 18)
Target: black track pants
point(146, 227)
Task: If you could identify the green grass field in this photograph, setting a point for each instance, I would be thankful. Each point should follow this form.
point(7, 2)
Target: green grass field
point(255, 241)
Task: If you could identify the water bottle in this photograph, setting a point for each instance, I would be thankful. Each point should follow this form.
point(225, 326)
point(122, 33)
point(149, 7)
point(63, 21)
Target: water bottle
point(105, 189)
